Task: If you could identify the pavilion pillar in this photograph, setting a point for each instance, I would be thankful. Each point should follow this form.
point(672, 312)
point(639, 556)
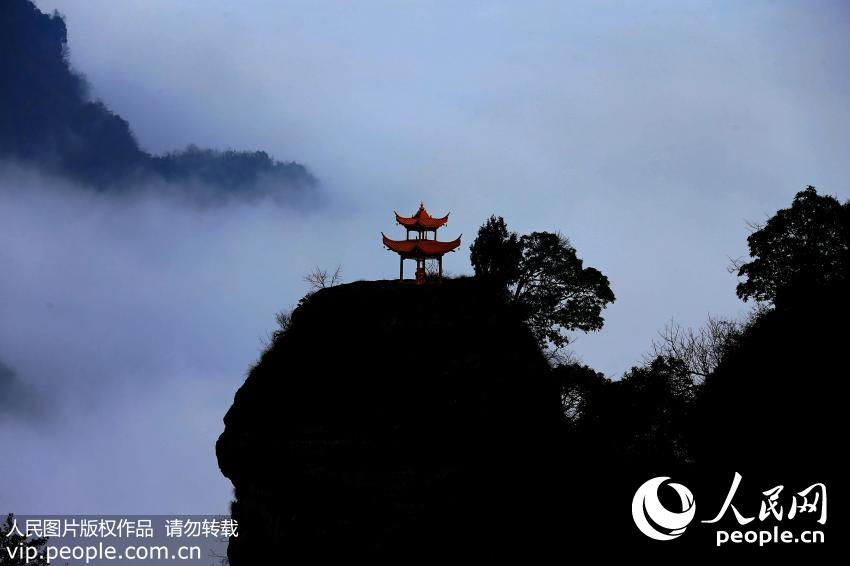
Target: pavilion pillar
point(440, 264)
point(400, 268)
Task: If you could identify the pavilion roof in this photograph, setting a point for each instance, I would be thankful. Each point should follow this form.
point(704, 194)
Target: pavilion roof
point(420, 248)
point(421, 220)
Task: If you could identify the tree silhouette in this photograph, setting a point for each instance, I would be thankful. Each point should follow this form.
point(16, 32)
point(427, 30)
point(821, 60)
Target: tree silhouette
point(557, 291)
point(657, 399)
point(542, 274)
point(791, 355)
point(579, 385)
point(797, 249)
point(496, 252)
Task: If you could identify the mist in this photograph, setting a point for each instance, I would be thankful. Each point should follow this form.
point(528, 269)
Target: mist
point(127, 322)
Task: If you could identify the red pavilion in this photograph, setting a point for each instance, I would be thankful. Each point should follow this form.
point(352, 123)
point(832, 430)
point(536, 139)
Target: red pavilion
point(420, 248)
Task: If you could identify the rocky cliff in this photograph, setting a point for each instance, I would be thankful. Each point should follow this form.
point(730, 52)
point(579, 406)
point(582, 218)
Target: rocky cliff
point(394, 419)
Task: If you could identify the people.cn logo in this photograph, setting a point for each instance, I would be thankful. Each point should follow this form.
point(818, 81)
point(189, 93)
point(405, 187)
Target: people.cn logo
point(656, 521)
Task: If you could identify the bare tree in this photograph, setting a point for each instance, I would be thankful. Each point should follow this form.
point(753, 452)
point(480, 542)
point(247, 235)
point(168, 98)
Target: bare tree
point(561, 355)
point(320, 278)
point(701, 350)
point(283, 319)
point(432, 269)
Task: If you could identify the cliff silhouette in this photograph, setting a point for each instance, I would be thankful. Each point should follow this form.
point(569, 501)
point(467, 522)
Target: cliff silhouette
point(408, 421)
point(393, 418)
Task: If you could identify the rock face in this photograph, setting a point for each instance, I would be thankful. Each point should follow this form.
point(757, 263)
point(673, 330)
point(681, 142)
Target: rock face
point(392, 419)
